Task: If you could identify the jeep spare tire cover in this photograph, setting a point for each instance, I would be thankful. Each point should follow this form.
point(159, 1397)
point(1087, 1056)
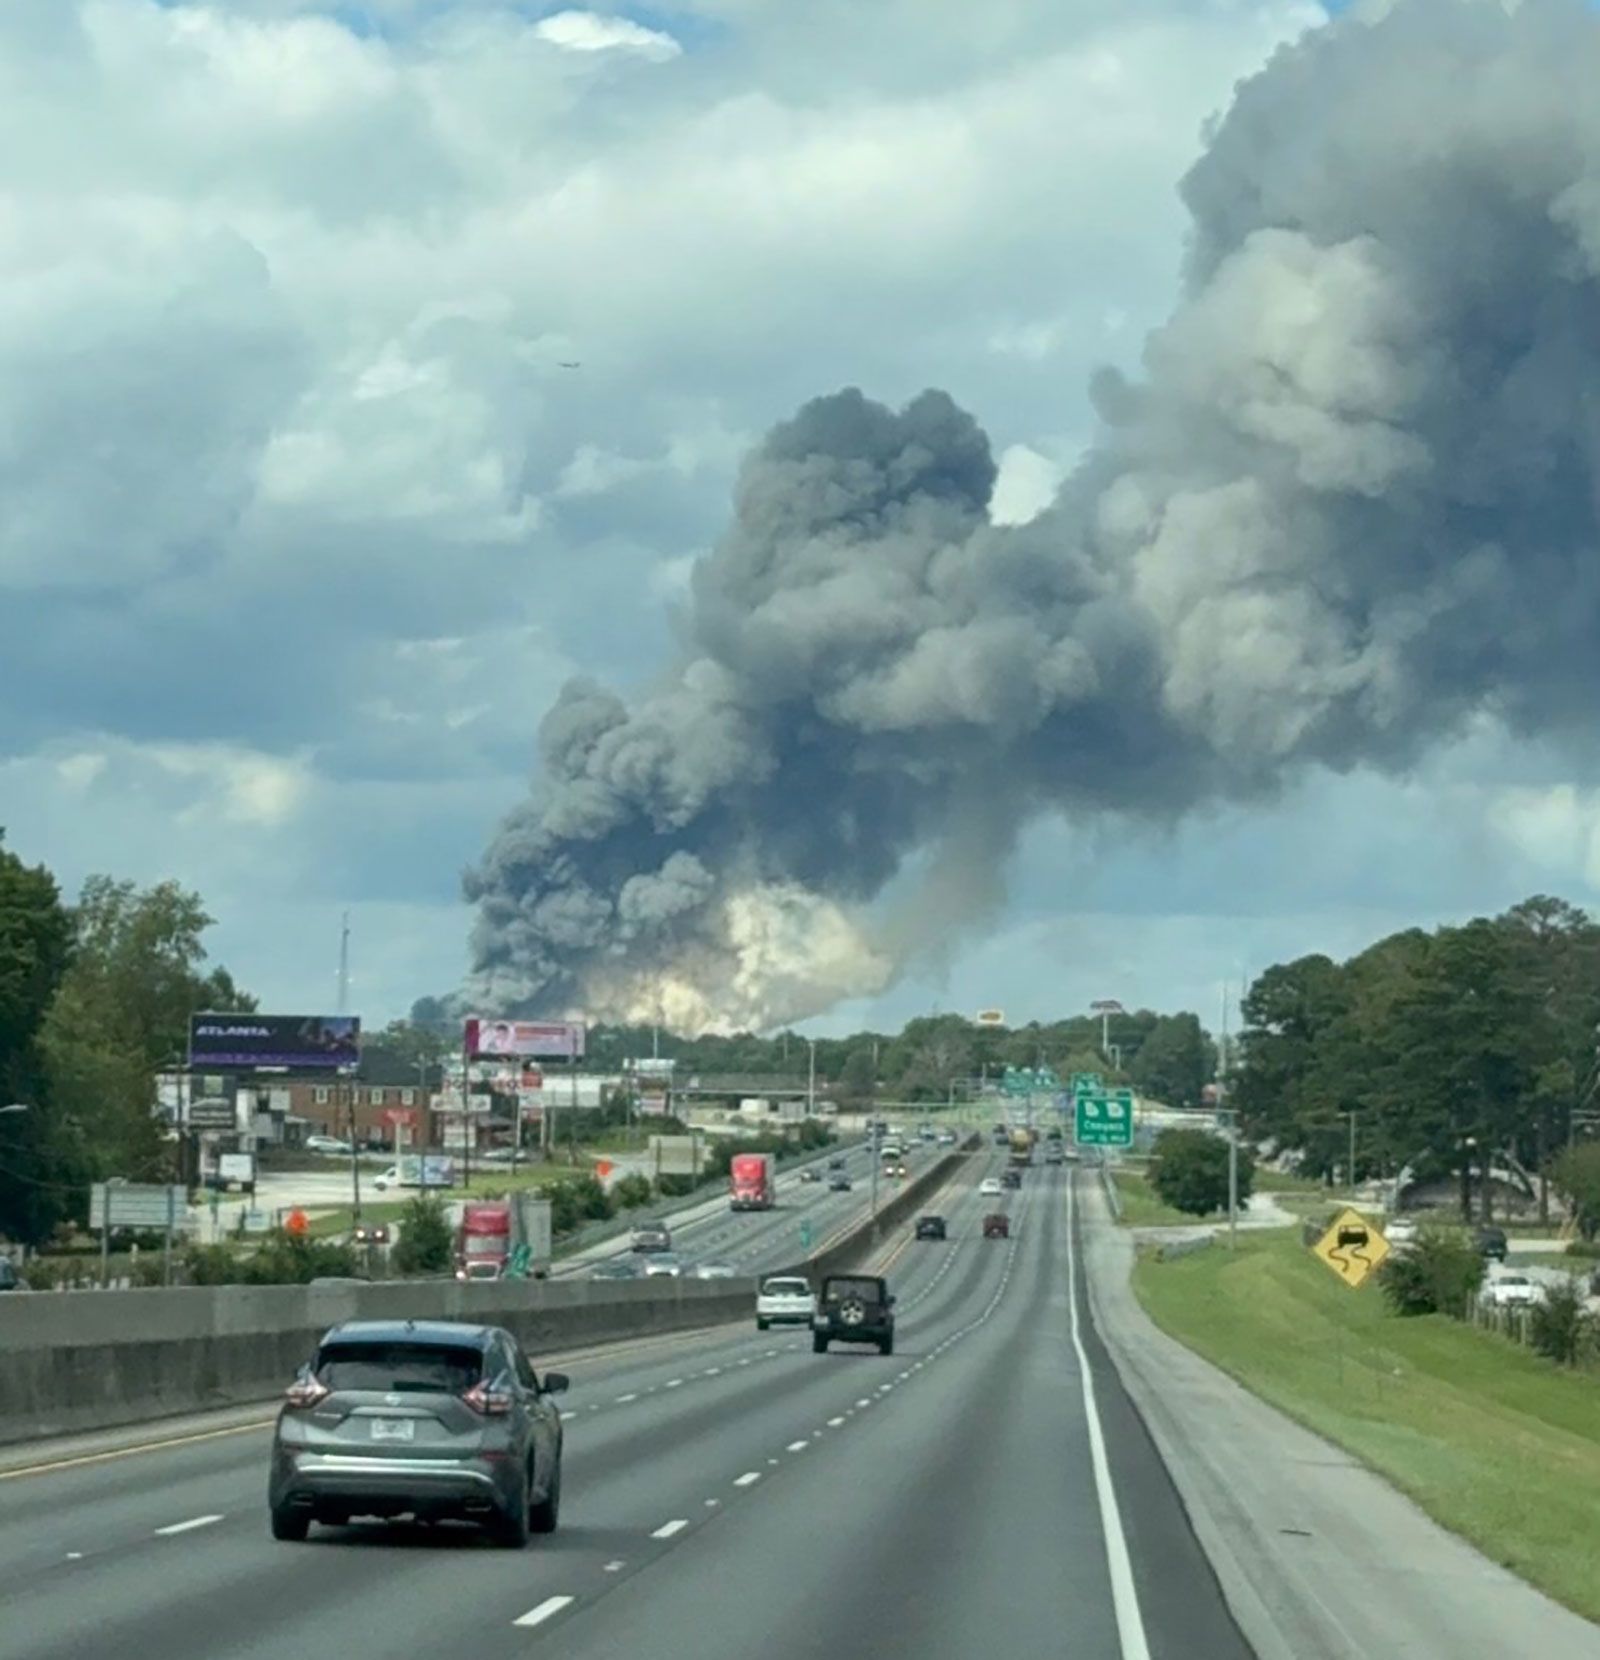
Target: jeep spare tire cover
point(852, 1311)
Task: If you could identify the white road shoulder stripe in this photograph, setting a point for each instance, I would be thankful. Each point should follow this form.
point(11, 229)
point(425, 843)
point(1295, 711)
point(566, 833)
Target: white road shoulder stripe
point(1124, 1592)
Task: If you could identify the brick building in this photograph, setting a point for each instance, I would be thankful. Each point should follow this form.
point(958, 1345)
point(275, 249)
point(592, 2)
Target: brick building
point(387, 1098)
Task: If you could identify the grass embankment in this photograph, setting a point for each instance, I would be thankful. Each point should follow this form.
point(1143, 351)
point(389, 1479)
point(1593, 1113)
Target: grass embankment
point(1495, 1443)
point(1141, 1208)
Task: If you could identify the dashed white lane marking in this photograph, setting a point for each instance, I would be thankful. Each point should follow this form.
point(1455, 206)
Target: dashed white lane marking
point(797, 1446)
point(834, 1423)
point(674, 1383)
point(566, 1415)
point(745, 1361)
point(712, 1372)
point(74, 1555)
point(863, 1402)
point(748, 1479)
point(667, 1529)
point(186, 1527)
point(623, 1400)
point(547, 1608)
point(769, 1354)
point(615, 1567)
point(711, 1504)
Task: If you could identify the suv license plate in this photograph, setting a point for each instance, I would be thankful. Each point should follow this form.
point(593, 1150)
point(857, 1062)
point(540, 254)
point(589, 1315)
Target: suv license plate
point(394, 1429)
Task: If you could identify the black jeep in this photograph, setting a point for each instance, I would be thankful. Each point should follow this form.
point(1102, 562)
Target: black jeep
point(853, 1308)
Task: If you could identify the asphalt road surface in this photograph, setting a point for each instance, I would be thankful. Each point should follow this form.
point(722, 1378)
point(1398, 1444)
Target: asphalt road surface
point(987, 1489)
point(753, 1241)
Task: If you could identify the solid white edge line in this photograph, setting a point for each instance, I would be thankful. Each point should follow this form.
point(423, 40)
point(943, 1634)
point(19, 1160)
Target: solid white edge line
point(1124, 1592)
point(550, 1605)
point(186, 1527)
point(667, 1529)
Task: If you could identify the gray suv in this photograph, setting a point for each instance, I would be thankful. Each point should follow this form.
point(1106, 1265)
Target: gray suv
point(432, 1419)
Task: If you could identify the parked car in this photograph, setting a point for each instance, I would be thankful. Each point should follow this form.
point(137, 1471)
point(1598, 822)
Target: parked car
point(11, 1276)
point(326, 1144)
point(434, 1419)
point(930, 1227)
point(1492, 1243)
point(997, 1225)
point(853, 1308)
point(784, 1300)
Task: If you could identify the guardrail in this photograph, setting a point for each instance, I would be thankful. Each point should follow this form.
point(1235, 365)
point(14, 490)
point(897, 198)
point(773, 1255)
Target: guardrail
point(1113, 1193)
point(78, 1363)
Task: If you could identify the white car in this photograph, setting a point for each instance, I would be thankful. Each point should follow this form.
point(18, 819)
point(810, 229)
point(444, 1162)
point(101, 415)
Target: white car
point(663, 1265)
point(1512, 1291)
point(326, 1144)
point(389, 1178)
point(1401, 1230)
point(784, 1300)
point(990, 1187)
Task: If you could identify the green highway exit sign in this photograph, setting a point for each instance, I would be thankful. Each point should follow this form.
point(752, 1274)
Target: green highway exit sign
point(1103, 1121)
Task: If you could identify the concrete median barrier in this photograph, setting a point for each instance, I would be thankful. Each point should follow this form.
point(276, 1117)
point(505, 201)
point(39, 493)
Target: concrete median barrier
point(95, 1360)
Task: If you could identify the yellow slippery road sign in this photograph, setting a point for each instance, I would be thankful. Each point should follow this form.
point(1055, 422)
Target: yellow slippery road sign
point(1352, 1247)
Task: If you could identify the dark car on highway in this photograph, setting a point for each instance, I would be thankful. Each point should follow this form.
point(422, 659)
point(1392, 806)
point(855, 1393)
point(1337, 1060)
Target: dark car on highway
point(652, 1236)
point(930, 1227)
point(997, 1225)
point(1491, 1242)
point(838, 1182)
point(1011, 1178)
point(616, 1268)
point(853, 1308)
point(433, 1419)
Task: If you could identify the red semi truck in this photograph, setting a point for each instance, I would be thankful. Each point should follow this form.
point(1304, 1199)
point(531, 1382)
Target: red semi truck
point(752, 1182)
point(483, 1240)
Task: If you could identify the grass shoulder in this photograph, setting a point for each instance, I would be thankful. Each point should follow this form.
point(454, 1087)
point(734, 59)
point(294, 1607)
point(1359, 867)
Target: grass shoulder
point(1142, 1207)
point(1492, 1441)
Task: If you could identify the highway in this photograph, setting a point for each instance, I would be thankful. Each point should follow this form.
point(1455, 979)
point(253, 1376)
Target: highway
point(986, 1489)
point(706, 1230)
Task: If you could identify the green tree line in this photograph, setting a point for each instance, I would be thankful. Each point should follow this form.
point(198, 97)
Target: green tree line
point(95, 999)
point(1459, 1050)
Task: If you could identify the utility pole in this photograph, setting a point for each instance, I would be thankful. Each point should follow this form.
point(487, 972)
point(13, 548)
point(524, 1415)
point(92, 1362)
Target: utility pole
point(811, 1079)
point(344, 964)
point(1352, 1165)
point(1233, 1180)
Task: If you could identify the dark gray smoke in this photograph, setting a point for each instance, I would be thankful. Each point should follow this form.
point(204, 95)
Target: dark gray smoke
point(1350, 503)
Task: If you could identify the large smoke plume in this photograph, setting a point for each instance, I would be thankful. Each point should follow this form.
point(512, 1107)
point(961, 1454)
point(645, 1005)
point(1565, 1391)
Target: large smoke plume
point(1349, 503)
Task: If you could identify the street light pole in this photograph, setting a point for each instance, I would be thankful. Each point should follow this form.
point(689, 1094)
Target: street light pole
point(811, 1079)
point(1233, 1180)
point(1352, 1165)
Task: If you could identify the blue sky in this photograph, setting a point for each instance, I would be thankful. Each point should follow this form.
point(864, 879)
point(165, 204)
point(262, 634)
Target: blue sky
point(307, 524)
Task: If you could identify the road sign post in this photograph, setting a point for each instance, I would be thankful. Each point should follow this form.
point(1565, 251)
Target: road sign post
point(1353, 1248)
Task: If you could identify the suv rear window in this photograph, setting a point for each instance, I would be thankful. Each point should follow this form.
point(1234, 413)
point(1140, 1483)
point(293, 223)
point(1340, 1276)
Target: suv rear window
point(430, 1368)
point(867, 1290)
point(786, 1288)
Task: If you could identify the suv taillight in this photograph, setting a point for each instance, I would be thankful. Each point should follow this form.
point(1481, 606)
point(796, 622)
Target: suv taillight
point(492, 1403)
point(305, 1392)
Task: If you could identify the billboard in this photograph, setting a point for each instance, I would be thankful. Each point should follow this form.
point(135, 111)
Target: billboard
point(545, 1039)
point(299, 1042)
